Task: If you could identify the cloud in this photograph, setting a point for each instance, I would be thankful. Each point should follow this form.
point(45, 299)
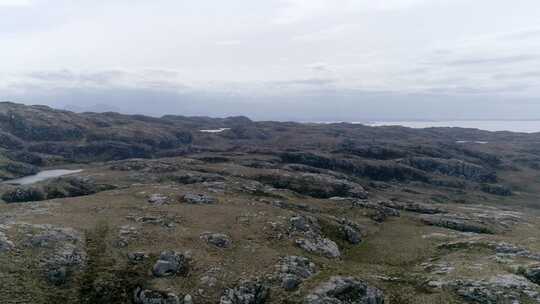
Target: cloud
point(495, 60)
point(14, 3)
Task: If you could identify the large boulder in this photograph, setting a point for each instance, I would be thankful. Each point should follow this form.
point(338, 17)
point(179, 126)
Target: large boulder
point(24, 194)
point(247, 292)
point(498, 289)
point(170, 263)
point(146, 296)
point(293, 270)
point(345, 290)
point(320, 246)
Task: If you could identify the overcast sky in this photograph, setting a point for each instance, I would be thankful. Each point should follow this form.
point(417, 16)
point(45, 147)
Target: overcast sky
point(276, 59)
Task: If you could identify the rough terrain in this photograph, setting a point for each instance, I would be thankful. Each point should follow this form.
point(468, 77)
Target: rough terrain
point(264, 212)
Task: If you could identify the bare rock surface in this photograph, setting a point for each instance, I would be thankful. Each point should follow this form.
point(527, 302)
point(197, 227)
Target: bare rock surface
point(345, 290)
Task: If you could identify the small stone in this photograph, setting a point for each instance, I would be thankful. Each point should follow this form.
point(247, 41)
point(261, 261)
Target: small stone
point(217, 239)
point(136, 257)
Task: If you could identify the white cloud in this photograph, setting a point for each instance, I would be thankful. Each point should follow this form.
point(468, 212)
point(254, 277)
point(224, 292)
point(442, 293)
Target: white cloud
point(15, 2)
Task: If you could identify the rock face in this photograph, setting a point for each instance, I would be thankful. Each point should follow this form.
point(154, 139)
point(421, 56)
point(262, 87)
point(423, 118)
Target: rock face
point(452, 167)
point(247, 292)
point(73, 186)
point(495, 189)
point(533, 274)
point(293, 270)
point(61, 250)
point(311, 238)
point(499, 289)
point(170, 263)
point(458, 223)
point(345, 290)
point(217, 239)
point(158, 199)
point(316, 185)
point(319, 245)
point(57, 188)
point(186, 178)
point(199, 199)
point(23, 194)
point(412, 207)
point(381, 212)
point(5, 243)
point(350, 234)
point(145, 296)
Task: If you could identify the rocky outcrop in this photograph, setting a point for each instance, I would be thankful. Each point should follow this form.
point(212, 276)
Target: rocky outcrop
point(452, 167)
point(5, 243)
point(458, 223)
point(247, 292)
point(57, 188)
point(496, 189)
point(316, 185)
point(170, 263)
point(198, 199)
point(413, 207)
point(381, 212)
point(499, 289)
point(73, 186)
point(345, 290)
point(146, 296)
point(376, 170)
point(186, 178)
point(24, 194)
point(319, 245)
point(158, 199)
point(293, 270)
point(310, 237)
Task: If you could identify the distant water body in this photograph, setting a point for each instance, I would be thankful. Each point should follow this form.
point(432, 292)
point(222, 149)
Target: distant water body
point(525, 126)
point(41, 176)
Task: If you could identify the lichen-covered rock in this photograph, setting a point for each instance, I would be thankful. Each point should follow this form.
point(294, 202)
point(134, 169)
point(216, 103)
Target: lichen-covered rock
point(412, 207)
point(24, 194)
point(350, 234)
point(170, 263)
point(496, 189)
point(452, 167)
point(145, 296)
point(533, 274)
point(187, 178)
point(198, 199)
point(73, 186)
point(312, 184)
point(5, 243)
point(220, 240)
point(158, 199)
point(304, 224)
point(458, 223)
point(247, 292)
point(499, 289)
point(345, 290)
point(319, 245)
point(293, 270)
point(136, 257)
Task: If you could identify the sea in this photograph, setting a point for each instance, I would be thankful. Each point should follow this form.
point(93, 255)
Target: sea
point(524, 126)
